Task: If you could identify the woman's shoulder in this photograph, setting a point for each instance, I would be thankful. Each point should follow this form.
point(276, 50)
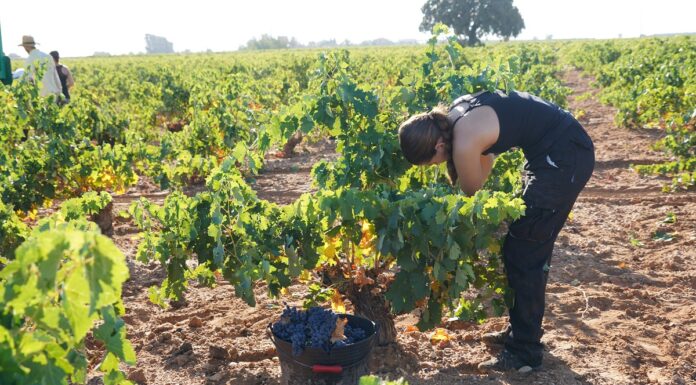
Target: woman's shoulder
point(466, 99)
point(478, 129)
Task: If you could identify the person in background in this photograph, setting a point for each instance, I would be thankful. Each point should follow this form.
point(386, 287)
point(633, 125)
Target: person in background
point(65, 76)
point(18, 73)
point(40, 62)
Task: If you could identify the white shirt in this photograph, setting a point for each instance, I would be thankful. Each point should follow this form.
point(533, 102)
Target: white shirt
point(50, 83)
point(18, 73)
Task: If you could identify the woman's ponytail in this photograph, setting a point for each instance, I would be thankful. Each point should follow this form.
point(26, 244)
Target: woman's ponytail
point(439, 116)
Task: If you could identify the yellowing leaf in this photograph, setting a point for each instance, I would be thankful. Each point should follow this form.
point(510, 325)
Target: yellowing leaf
point(440, 335)
point(305, 276)
point(106, 178)
point(337, 304)
point(368, 235)
point(330, 251)
point(32, 214)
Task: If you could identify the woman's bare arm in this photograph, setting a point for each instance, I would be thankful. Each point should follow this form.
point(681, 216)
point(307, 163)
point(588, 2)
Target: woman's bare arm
point(475, 132)
point(467, 161)
point(487, 165)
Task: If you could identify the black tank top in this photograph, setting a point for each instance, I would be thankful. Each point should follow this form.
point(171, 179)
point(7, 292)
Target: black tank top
point(63, 81)
point(526, 121)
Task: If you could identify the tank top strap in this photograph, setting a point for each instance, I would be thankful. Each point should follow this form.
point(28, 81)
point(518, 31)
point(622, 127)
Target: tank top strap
point(472, 102)
point(462, 99)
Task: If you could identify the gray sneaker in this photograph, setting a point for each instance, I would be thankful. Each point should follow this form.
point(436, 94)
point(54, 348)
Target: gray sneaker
point(506, 361)
point(496, 338)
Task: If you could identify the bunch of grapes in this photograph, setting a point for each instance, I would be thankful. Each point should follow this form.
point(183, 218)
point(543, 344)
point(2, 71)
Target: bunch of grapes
point(322, 323)
point(292, 328)
point(354, 334)
point(298, 338)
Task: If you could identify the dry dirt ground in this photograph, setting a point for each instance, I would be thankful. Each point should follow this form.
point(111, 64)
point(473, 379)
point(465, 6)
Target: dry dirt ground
point(621, 302)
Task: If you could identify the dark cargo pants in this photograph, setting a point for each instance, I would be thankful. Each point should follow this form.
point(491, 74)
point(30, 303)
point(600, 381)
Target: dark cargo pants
point(552, 184)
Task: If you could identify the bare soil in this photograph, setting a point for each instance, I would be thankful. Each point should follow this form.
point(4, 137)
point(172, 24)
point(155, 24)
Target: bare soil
point(621, 300)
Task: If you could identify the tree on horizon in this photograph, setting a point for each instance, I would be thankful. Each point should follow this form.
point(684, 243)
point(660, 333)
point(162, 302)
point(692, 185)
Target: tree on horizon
point(472, 19)
point(157, 44)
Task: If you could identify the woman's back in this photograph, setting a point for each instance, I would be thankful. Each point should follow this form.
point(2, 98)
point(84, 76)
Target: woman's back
point(526, 121)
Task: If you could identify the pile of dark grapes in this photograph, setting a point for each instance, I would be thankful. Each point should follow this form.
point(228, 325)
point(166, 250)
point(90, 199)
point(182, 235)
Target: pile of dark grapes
point(291, 328)
point(312, 328)
point(321, 324)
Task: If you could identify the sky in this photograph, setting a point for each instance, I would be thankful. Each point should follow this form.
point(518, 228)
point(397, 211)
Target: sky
point(81, 28)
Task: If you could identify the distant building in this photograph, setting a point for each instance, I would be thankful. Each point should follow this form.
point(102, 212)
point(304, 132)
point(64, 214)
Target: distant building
point(158, 44)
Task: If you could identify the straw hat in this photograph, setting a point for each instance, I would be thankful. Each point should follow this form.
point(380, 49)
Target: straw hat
point(27, 41)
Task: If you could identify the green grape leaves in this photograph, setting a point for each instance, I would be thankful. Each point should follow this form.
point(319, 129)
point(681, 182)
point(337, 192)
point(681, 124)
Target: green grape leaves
point(62, 282)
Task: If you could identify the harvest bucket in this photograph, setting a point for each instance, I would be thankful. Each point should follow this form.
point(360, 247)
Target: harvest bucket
point(340, 366)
